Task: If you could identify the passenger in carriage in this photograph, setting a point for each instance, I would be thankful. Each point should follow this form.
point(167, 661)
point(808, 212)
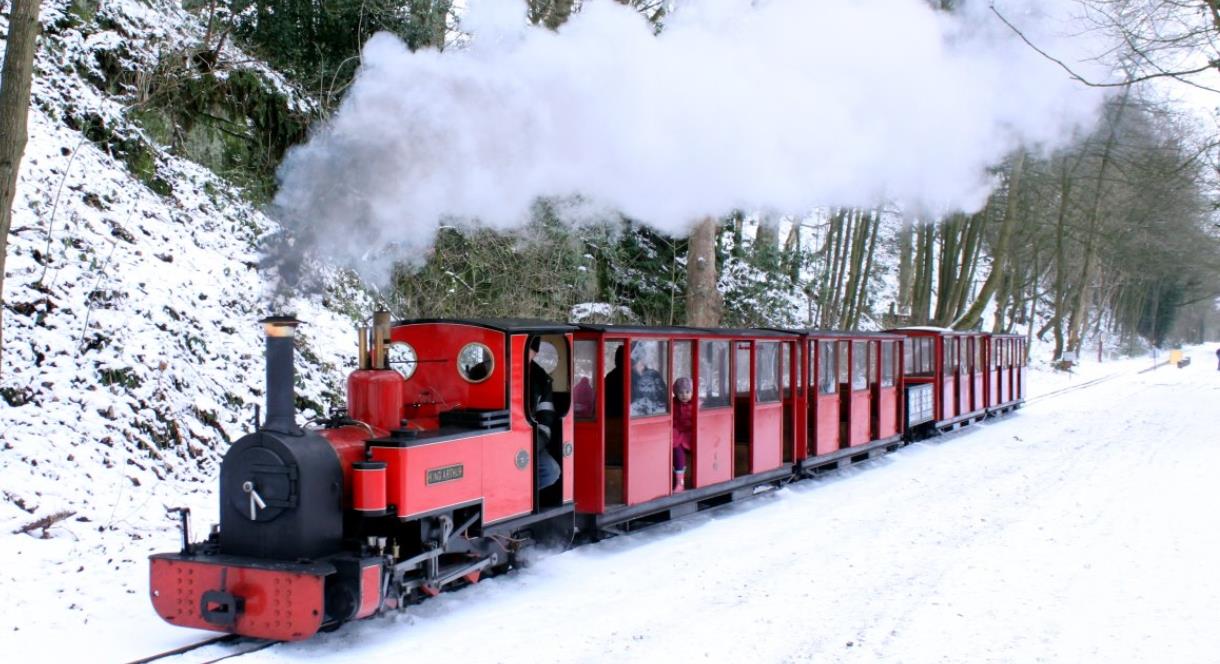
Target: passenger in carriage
point(583, 397)
point(614, 386)
point(542, 406)
point(647, 388)
point(684, 413)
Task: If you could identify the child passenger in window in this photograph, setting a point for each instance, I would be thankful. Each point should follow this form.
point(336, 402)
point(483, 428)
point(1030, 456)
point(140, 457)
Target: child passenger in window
point(683, 421)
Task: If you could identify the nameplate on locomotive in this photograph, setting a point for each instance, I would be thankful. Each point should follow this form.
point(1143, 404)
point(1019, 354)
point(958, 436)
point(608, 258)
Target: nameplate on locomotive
point(445, 474)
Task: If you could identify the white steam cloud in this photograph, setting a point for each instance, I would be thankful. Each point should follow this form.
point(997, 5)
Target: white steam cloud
point(782, 105)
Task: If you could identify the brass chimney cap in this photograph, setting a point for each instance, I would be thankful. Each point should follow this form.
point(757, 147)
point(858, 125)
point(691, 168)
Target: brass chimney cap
point(279, 326)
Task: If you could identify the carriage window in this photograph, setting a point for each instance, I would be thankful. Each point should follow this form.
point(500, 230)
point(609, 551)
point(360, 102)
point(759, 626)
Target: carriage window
point(872, 362)
point(766, 377)
point(682, 360)
point(649, 385)
point(785, 370)
point(967, 355)
point(742, 365)
point(923, 356)
point(584, 394)
point(827, 382)
point(887, 364)
point(475, 363)
point(713, 374)
point(844, 368)
point(950, 362)
point(613, 365)
point(402, 358)
point(859, 365)
point(978, 354)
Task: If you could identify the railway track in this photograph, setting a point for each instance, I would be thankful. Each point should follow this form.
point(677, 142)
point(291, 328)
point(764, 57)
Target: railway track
point(254, 646)
point(1089, 383)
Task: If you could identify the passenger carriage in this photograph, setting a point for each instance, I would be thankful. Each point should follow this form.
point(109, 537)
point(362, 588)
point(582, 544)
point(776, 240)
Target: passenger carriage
point(853, 395)
point(951, 363)
point(744, 425)
point(1005, 372)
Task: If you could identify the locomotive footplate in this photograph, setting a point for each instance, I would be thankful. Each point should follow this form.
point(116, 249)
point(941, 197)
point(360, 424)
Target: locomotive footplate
point(282, 601)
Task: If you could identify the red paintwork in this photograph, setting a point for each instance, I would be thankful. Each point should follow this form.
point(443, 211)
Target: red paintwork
point(369, 490)
point(590, 466)
point(279, 605)
point(948, 405)
point(436, 385)
point(374, 396)
point(406, 486)
point(370, 590)
point(508, 491)
point(569, 452)
point(887, 420)
point(767, 443)
point(859, 418)
point(827, 423)
point(800, 404)
point(713, 446)
point(646, 457)
point(349, 445)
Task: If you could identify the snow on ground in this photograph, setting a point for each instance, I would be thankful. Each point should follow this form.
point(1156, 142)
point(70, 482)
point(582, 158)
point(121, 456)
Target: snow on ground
point(1079, 529)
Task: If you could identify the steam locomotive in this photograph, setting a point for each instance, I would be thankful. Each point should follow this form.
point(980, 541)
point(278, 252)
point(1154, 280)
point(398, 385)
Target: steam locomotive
point(426, 481)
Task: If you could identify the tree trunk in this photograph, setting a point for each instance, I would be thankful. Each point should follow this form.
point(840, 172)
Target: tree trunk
point(703, 303)
point(840, 274)
point(1096, 225)
point(874, 229)
point(904, 267)
point(23, 28)
point(999, 262)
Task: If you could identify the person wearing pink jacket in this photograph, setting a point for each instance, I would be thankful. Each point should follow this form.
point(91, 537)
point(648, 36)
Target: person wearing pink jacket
point(683, 418)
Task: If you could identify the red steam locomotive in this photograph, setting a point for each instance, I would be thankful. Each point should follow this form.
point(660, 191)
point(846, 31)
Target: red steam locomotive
point(428, 480)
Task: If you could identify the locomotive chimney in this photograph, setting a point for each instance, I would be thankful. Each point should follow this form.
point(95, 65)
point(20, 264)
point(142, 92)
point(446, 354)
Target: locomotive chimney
point(281, 394)
point(381, 338)
point(362, 347)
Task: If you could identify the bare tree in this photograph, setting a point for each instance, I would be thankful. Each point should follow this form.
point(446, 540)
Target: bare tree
point(15, 79)
point(703, 302)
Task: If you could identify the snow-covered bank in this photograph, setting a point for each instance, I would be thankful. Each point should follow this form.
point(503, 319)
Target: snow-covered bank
point(131, 349)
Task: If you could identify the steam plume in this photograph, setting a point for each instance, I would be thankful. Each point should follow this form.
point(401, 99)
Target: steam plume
point(781, 105)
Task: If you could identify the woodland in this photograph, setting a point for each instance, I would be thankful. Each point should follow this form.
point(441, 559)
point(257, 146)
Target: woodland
point(1112, 237)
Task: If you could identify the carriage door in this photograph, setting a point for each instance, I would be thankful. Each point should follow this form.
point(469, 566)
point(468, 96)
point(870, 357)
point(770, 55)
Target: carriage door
point(1020, 368)
point(713, 415)
point(788, 371)
point(767, 451)
point(743, 410)
point(887, 393)
point(647, 443)
point(589, 457)
point(948, 372)
point(614, 395)
point(859, 418)
point(966, 344)
point(683, 367)
point(824, 397)
point(993, 373)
